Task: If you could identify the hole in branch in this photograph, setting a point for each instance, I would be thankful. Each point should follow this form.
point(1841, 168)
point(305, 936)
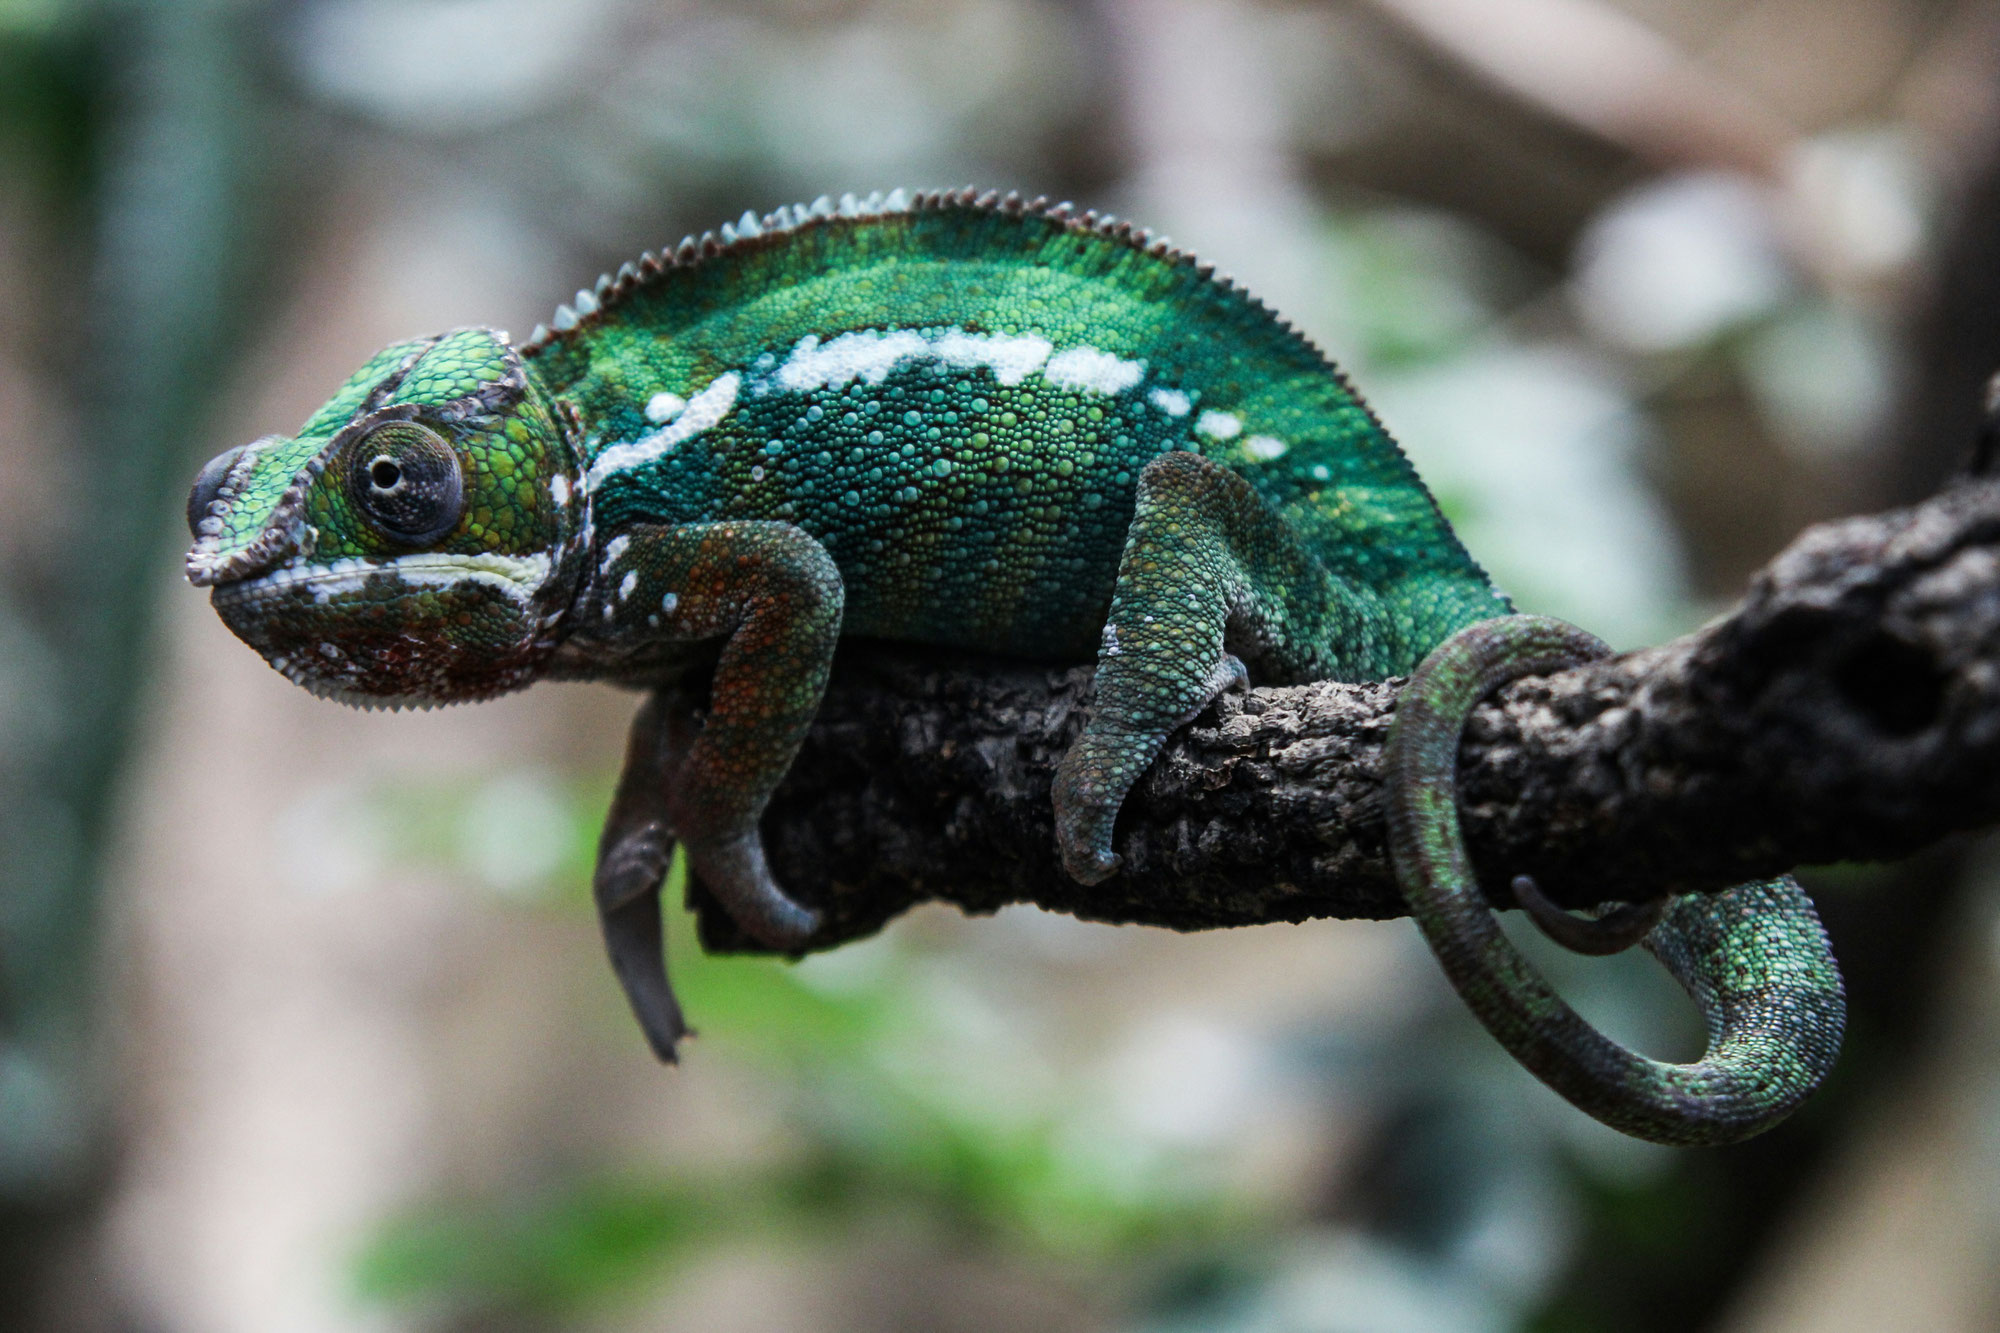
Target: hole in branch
point(1893, 683)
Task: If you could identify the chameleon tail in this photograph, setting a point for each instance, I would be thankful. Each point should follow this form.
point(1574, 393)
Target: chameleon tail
point(1754, 957)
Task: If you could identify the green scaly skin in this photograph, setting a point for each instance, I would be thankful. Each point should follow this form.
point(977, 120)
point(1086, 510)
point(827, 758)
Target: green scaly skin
point(949, 419)
point(1753, 957)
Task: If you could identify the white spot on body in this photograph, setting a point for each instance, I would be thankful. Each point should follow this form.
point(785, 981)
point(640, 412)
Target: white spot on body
point(1087, 370)
point(664, 407)
point(1110, 639)
point(626, 584)
point(1218, 425)
point(669, 602)
point(704, 410)
point(1264, 448)
point(559, 488)
point(1173, 402)
point(612, 550)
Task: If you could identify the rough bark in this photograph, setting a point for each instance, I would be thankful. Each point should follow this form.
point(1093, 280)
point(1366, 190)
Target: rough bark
point(1848, 709)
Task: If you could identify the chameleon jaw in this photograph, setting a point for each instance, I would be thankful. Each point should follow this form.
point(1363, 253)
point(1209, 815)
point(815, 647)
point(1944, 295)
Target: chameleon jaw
point(416, 631)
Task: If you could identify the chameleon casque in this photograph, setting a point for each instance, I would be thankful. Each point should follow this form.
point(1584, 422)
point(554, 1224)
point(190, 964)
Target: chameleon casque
point(954, 419)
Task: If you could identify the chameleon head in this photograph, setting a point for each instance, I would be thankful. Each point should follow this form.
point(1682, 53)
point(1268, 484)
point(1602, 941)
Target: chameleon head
point(416, 542)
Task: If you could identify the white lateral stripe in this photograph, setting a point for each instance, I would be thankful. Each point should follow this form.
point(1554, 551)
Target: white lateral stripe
point(867, 354)
point(1012, 357)
point(874, 354)
point(1088, 370)
point(704, 410)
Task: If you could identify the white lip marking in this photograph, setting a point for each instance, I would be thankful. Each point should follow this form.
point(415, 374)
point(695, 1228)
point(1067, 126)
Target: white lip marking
point(520, 577)
point(1088, 370)
point(1219, 425)
point(704, 410)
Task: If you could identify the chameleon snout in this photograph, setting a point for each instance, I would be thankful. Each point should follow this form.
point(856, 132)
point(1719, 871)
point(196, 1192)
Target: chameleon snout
point(220, 556)
point(207, 488)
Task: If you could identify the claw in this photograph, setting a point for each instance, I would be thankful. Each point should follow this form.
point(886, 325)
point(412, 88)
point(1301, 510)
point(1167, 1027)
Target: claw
point(1091, 866)
point(1614, 932)
point(735, 873)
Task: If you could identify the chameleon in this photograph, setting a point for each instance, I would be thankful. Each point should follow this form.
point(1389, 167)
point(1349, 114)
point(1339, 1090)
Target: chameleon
point(960, 419)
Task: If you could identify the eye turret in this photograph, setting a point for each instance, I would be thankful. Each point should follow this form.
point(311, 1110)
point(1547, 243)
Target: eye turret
point(407, 482)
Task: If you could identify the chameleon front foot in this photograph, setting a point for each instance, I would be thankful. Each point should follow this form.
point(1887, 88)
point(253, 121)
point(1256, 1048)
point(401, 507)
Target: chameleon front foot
point(735, 872)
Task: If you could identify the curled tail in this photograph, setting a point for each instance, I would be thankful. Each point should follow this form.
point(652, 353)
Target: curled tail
point(1754, 957)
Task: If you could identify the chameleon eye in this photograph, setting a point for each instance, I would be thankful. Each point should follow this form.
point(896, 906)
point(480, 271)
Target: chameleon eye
point(406, 479)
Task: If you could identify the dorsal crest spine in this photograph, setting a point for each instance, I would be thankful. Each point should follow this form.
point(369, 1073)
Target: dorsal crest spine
point(591, 304)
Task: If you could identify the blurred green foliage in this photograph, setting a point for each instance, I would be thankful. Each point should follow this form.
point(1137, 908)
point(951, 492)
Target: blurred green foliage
point(884, 1124)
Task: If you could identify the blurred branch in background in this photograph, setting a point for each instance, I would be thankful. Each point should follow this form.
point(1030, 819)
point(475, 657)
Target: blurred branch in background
point(167, 179)
point(1608, 73)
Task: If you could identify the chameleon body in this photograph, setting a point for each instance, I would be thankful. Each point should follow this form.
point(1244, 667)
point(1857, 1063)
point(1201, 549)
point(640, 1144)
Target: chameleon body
point(948, 419)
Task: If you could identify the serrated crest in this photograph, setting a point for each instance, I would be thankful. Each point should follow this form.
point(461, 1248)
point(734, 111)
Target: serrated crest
point(749, 229)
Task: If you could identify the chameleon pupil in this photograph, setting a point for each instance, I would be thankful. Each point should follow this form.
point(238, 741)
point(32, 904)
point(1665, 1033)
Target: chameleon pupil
point(408, 483)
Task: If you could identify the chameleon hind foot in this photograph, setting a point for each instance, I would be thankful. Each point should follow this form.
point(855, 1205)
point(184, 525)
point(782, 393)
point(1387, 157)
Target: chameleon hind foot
point(1206, 559)
point(1614, 932)
point(1100, 768)
point(1754, 957)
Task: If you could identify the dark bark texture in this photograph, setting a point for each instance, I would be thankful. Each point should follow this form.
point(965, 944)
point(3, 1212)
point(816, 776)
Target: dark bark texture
point(1848, 709)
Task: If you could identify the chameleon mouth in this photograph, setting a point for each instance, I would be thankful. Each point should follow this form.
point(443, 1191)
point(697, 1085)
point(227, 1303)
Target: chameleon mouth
point(411, 632)
point(520, 578)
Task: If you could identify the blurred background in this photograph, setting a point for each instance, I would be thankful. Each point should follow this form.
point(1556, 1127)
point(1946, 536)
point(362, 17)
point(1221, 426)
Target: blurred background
point(304, 1024)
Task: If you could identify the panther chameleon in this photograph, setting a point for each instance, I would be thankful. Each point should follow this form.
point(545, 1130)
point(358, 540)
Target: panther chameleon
point(952, 419)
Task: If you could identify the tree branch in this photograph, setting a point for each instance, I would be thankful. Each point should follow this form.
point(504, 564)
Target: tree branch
point(1848, 709)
